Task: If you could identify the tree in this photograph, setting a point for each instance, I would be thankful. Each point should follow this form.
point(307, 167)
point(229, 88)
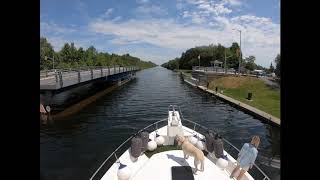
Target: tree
point(271, 69)
point(277, 61)
point(71, 57)
point(249, 63)
point(46, 49)
point(65, 53)
point(233, 62)
point(91, 56)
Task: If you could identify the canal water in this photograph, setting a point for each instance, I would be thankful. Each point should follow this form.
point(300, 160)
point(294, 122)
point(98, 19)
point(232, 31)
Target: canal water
point(74, 148)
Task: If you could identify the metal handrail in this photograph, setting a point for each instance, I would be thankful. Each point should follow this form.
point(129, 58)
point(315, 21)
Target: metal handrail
point(88, 68)
point(61, 74)
point(113, 153)
point(156, 123)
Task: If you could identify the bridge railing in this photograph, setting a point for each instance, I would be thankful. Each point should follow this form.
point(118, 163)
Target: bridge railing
point(70, 76)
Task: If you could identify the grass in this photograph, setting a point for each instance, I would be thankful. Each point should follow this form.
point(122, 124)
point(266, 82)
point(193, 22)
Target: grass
point(161, 149)
point(263, 96)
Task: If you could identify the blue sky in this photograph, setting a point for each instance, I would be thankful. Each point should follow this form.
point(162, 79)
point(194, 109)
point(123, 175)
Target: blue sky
point(160, 30)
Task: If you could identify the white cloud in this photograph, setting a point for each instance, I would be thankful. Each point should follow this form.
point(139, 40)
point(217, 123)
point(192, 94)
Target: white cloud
point(56, 42)
point(108, 12)
point(195, 17)
point(260, 36)
point(142, 1)
point(54, 28)
point(211, 7)
point(179, 5)
point(159, 39)
point(116, 18)
point(232, 2)
point(151, 9)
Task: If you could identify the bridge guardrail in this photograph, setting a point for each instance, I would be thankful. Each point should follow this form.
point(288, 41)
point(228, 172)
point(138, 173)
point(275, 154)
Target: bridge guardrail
point(71, 76)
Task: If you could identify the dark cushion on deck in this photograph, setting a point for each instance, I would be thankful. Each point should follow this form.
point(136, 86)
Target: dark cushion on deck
point(181, 173)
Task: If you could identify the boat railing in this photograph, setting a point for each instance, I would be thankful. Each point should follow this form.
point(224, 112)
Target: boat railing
point(232, 150)
point(112, 158)
point(120, 150)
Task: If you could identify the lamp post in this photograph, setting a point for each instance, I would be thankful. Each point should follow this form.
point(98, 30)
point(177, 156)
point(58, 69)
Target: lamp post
point(240, 56)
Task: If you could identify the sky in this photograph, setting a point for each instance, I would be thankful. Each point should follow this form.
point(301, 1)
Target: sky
point(161, 30)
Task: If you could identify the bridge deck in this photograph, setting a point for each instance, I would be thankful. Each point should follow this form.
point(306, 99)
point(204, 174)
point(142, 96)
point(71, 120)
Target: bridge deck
point(61, 79)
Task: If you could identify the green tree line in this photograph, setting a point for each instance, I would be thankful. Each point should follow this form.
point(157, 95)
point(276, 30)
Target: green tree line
point(71, 57)
point(216, 52)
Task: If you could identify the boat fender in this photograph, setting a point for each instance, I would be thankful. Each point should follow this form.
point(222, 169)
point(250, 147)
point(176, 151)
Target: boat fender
point(193, 139)
point(209, 141)
point(124, 172)
point(201, 145)
point(218, 146)
point(222, 163)
point(151, 136)
point(144, 137)
point(159, 140)
point(135, 149)
point(152, 145)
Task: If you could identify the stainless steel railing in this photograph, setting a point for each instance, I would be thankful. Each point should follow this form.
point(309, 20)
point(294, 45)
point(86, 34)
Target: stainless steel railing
point(114, 153)
point(264, 176)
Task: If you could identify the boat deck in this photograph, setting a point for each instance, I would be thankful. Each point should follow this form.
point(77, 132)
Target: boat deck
point(159, 166)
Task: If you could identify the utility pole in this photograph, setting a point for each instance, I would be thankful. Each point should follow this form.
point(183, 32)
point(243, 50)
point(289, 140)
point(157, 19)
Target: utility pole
point(225, 60)
point(240, 53)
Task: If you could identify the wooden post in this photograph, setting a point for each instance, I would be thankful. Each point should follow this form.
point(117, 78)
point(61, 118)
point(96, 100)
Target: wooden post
point(91, 73)
point(108, 70)
point(101, 72)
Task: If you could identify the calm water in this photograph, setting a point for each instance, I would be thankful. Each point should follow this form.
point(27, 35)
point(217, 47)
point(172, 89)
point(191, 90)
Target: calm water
point(73, 148)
